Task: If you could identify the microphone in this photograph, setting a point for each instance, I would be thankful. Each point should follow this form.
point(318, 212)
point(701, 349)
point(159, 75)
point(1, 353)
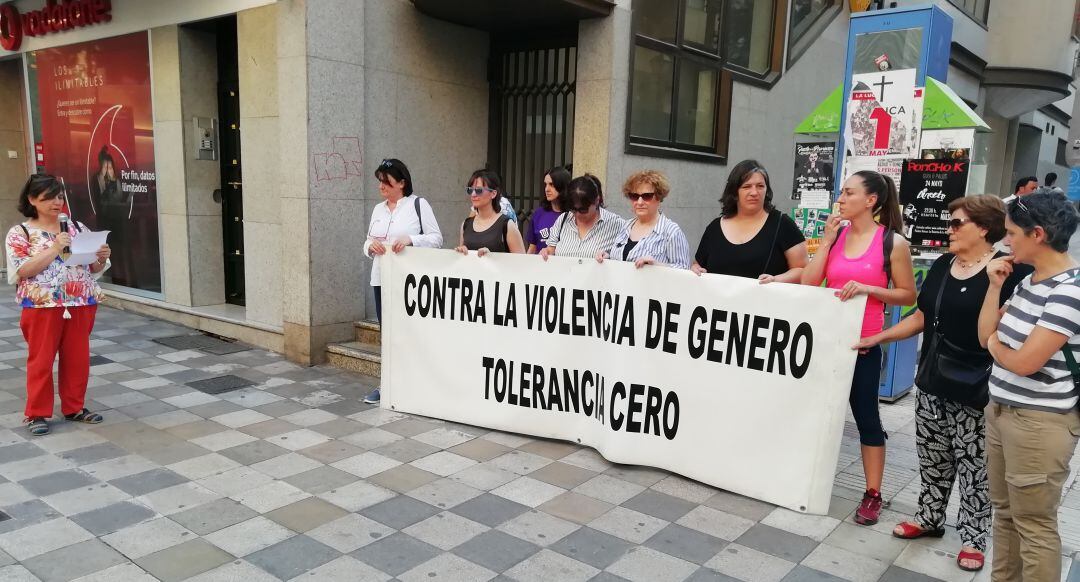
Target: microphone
point(64, 228)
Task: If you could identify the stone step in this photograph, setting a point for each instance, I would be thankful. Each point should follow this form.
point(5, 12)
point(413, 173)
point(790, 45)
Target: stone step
point(359, 357)
point(368, 332)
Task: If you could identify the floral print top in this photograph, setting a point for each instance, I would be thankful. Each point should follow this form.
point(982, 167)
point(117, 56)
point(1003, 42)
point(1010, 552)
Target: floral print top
point(57, 285)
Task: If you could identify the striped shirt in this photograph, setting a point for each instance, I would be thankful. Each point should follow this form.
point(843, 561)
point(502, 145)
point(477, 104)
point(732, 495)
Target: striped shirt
point(665, 242)
point(1053, 304)
point(568, 242)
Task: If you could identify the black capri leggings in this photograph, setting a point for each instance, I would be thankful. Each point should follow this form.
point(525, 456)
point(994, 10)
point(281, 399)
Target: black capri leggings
point(864, 398)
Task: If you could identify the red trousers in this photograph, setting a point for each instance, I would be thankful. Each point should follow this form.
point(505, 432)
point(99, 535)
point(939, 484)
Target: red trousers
point(46, 333)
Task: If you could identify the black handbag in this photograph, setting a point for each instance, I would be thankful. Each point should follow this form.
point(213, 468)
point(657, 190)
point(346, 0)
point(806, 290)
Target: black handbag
point(951, 372)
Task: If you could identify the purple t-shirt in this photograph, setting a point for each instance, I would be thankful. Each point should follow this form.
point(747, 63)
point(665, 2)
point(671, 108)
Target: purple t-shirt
point(540, 226)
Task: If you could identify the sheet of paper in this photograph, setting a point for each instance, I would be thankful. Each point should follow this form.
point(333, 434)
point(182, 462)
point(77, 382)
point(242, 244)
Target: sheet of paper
point(815, 199)
point(84, 247)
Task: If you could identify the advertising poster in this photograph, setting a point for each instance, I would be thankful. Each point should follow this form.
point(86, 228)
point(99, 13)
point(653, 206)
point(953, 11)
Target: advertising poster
point(96, 122)
point(814, 164)
point(954, 144)
point(884, 114)
point(927, 188)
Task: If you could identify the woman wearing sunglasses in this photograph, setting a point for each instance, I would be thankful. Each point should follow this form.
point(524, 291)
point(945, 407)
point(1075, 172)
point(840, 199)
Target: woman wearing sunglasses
point(868, 258)
point(586, 228)
point(950, 428)
point(751, 238)
point(59, 303)
point(402, 219)
point(1032, 425)
point(650, 237)
point(488, 230)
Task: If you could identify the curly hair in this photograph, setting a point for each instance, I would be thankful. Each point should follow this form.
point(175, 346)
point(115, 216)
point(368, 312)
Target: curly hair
point(653, 178)
point(986, 211)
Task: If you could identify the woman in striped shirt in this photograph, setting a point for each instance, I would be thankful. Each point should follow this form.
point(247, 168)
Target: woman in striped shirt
point(1032, 422)
point(587, 227)
point(650, 238)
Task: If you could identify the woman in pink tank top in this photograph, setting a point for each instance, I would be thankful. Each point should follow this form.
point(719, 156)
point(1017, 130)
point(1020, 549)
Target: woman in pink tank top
point(852, 260)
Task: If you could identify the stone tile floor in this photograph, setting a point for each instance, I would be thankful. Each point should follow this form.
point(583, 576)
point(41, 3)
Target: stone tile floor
point(294, 478)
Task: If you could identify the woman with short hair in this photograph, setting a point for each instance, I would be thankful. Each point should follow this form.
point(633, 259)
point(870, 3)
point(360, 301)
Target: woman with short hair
point(488, 230)
point(586, 228)
point(402, 219)
point(59, 303)
point(1032, 424)
point(650, 238)
point(950, 427)
point(751, 238)
point(863, 258)
point(551, 208)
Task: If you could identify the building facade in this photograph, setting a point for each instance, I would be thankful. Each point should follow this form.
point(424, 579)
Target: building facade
point(249, 130)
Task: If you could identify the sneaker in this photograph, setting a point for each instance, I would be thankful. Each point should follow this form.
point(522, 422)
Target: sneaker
point(869, 509)
point(372, 398)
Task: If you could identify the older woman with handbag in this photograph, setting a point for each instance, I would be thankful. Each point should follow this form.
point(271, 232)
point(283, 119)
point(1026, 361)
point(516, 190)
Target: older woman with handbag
point(59, 303)
point(953, 376)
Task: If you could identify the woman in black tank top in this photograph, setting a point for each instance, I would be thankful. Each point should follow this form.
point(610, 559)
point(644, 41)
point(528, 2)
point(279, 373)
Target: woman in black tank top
point(489, 230)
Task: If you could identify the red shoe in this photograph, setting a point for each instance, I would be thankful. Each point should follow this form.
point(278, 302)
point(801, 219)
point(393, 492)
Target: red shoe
point(975, 556)
point(910, 531)
point(869, 509)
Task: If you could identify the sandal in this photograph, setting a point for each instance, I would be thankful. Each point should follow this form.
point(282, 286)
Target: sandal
point(975, 556)
point(86, 416)
point(912, 531)
point(37, 426)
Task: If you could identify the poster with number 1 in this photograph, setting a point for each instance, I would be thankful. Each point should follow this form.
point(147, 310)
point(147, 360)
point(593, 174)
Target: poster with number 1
point(884, 114)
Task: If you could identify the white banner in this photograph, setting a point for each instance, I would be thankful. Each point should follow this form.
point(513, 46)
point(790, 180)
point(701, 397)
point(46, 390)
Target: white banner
point(723, 380)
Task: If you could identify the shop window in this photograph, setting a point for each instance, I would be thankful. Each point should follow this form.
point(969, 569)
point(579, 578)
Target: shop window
point(685, 55)
point(809, 18)
point(978, 10)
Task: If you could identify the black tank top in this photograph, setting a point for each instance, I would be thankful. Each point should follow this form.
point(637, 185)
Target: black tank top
point(493, 238)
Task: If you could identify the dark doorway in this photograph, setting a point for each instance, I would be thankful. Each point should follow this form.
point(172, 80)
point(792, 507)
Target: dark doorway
point(531, 126)
point(232, 199)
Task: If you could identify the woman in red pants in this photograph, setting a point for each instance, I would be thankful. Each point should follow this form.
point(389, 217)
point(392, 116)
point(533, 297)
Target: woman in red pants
point(59, 303)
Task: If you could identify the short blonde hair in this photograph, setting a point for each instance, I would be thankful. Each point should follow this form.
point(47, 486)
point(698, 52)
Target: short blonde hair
point(651, 177)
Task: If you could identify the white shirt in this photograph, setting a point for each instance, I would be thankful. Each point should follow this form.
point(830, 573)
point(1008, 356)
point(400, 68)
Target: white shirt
point(387, 226)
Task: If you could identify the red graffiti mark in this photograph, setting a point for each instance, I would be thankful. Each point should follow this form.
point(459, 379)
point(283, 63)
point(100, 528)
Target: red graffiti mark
point(343, 161)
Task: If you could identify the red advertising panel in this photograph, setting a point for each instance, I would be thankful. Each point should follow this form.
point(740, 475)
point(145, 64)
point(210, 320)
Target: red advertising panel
point(97, 128)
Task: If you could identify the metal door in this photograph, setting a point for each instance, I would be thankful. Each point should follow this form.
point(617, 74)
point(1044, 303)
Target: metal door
point(532, 113)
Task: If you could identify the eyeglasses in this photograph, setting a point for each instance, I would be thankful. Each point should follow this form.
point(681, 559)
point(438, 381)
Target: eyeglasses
point(958, 223)
point(1022, 206)
point(470, 191)
point(646, 196)
point(386, 164)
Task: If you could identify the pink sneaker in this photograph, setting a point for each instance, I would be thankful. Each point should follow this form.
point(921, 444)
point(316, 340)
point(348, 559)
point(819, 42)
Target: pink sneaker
point(869, 509)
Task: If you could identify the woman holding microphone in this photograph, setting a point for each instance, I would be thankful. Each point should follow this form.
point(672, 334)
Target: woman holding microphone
point(59, 303)
point(402, 219)
point(862, 259)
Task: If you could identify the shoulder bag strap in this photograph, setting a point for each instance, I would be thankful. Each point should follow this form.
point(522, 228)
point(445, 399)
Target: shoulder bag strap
point(26, 231)
point(419, 217)
point(772, 245)
point(1070, 361)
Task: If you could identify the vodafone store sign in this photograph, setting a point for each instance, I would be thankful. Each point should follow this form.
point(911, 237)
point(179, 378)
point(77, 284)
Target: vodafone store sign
point(55, 16)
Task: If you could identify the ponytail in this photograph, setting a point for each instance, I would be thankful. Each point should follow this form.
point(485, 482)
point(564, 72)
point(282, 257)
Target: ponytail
point(887, 209)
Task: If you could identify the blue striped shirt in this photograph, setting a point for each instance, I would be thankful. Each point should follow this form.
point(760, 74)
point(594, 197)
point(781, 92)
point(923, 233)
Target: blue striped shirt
point(666, 243)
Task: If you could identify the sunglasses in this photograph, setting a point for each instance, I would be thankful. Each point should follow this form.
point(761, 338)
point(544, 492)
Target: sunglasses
point(386, 164)
point(1022, 206)
point(958, 223)
point(646, 196)
point(470, 191)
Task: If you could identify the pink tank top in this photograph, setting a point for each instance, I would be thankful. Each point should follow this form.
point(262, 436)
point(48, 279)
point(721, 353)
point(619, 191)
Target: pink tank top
point(868, 269)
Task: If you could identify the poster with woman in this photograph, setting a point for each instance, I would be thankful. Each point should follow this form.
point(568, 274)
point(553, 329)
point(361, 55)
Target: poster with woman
point(95, 117)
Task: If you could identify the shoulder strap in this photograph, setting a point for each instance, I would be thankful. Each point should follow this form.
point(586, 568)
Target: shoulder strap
point(887, 243)
point(772, 245)
point(1070, 361)
point(941, 292)
point(419, 217)
point(25, 230)
point(562, 223)
point(506, 225)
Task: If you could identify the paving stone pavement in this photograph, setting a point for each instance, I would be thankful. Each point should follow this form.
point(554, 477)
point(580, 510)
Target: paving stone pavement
point(294, 478)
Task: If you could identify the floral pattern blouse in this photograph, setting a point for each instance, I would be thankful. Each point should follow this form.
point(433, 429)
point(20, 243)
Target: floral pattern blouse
point(57, 285)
